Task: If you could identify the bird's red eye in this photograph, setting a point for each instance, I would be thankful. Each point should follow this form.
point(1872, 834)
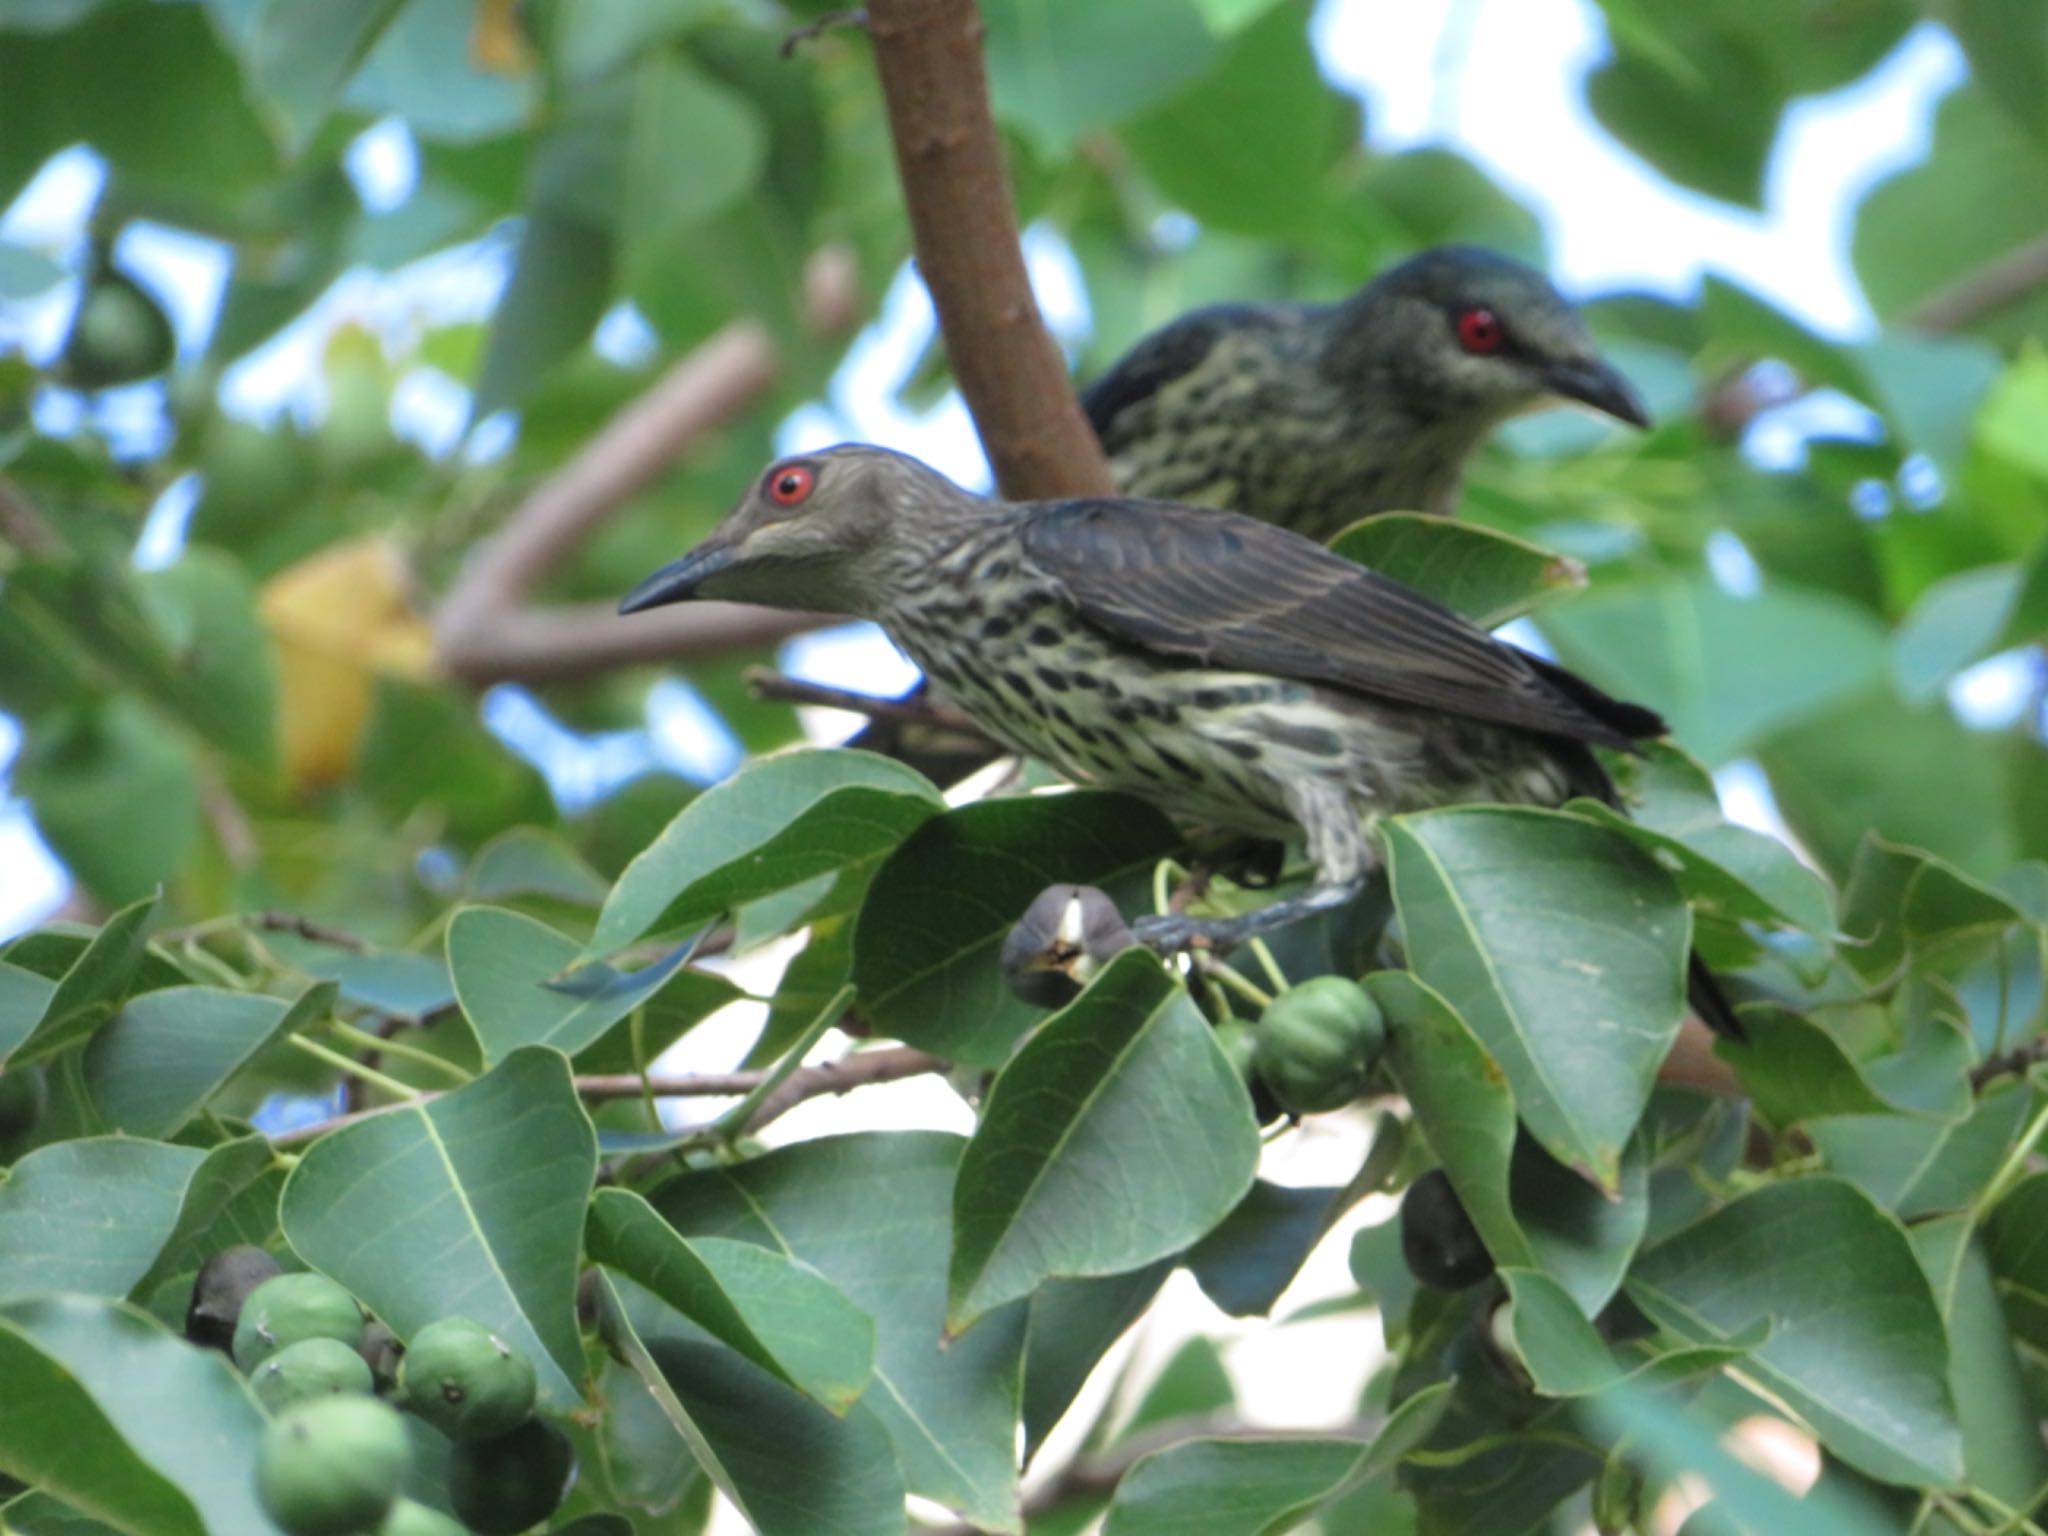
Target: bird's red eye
point(790, 484)
point(1480, 330)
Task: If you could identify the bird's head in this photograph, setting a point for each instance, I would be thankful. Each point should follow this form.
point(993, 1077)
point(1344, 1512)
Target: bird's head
point(1462, 332)
point(820, 532)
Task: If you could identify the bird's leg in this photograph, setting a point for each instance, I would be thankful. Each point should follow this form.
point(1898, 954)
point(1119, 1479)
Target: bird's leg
point(1171, 932)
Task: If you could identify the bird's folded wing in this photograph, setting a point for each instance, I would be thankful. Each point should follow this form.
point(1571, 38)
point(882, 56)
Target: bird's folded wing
point(1232, 593)
point(1169, 353)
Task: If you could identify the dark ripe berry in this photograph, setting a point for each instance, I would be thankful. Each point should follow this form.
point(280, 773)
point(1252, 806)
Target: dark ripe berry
point(501, 1486)
point(1438, 1241)
point(1066, 935)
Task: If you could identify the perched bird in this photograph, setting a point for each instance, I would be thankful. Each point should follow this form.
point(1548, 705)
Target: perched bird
point(1313, 416)
point(1239, 675)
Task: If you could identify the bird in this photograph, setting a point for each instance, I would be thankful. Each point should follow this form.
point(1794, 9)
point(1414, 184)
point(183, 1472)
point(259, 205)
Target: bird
point(1237, 674)
point(1312, 416)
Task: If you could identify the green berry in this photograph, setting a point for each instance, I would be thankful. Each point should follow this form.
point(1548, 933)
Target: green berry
point(289, 1308)
point(119, 335)
point(410, 1519)
point(465, 1380)
point(307, 1369)
point(502, 1486)
point(219, 1291)
point(332, 1466)
point(1318, 1044)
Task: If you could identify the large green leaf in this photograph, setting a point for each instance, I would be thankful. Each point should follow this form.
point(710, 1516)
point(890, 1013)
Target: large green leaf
point(1725, 671)
point(2017, 1240)
point(776, 1311)
point(695, 145)
point(225, 675)
point(470, 1204)
point(790, 1467)
point(1857, 1348)
point(300, 56)
point(873, 1214)
point(1529, 1210)
point(1073, 1325)
point(85, 996)
point(166, 1052)
point(560, 287)
point(125, 1423)
point(1488, 576)
point(114, 794)
point(926, 944)
point(1259, 1487)
point(1561, 945)
point(1917, 1167)
point(1118, 1134)
point(502, 962)
point(231, 1199)
point(90, 1216)
point(776, 823)
point(1058, 68)
point(1963, 618)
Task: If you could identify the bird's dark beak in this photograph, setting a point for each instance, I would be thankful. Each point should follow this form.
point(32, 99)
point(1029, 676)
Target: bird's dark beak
point(678, 581)
point(1599, 385)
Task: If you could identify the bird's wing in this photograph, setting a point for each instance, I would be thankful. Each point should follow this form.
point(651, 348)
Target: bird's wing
point(1169, 353)
point(1228, 592)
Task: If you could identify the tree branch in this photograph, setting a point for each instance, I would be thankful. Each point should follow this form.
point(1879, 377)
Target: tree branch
point(483, 632)
point(928, 54)
point(917, 708)
point(857, 1070)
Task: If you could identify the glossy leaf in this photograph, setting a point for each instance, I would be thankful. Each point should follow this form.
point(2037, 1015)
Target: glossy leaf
point(87, 994)
point(1118, 1134)
point(777, 823)
point(1060, 67)
point(167, 1052)
point(873, 1213)
point(776, 1311)
point(301, 56)
point(89, 1216)
point(1487, 576)
point(1858, 1348)
point(926, 944)
point(470, 1204)
point(1561, 945)
point(126, 1423)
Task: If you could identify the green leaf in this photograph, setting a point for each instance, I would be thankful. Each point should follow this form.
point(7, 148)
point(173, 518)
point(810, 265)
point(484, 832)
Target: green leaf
point(790, 1467)
point(167, 1052)
point(926, 944)
point(24, 272)
point(470, 1204)
point(1927, 388)
point(1902, 905)
point(776, 1311)
point(113, 793)
point(2016, 1239)
point(1733, 871)
point(1794, 1070)
point(88, 992)
point(1564, 1354)
point(778, 822)
point(1118, 1134)
point(1530, 1211)
point(695, 145)
point(90, 1216)
point(1248, 146)
point(1487, 576)
point(1073, 1325)
point(1260, 1488)
point(1858, 1349)
point(300, 56)
point(560, 288)
point(224, 670)
point(501, 963)
point(1966, 617)
point(1058, 68)
point(527, 861)
point(872, 1213)
point(233, 1178)
point(108, 1412)
point(1562, 946)
point(1725, 671)
point(1917, 1167)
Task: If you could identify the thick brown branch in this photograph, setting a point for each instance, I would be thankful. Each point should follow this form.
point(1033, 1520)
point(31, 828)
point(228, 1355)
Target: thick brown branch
point(928, 53)
point(858, 1070)
point(483, 632)
point(2005, 280)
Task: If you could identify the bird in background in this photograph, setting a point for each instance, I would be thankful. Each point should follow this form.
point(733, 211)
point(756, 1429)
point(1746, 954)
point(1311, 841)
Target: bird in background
point(1312, 416)
point(1238, 675)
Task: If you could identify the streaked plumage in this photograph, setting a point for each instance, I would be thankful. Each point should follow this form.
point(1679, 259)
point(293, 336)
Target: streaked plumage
point(1312, 416)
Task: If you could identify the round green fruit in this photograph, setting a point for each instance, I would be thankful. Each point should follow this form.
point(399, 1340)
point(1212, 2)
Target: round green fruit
point(119, 335)
point(465, 1380)
point(410, 1519)
point(501, 1486)
point(310, 1368)
point(290, 1308)
point(219, 1292)
point(332, 1466)
point(1438, 1241)
point(1318, 1044)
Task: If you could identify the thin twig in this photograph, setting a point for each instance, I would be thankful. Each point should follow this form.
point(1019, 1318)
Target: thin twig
point(830, 21)
point(305, 928)
point(928, 54)
point(918, 708)
point(2015, 1061)
point(21, 524)
point(858, 1070)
